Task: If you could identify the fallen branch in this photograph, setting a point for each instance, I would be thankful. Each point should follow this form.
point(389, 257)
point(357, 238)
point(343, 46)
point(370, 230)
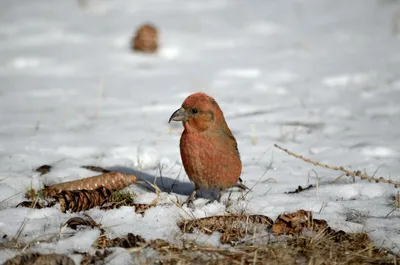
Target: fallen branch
point(342, 169)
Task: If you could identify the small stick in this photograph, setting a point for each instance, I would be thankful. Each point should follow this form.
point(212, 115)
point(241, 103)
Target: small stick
point(342, 169)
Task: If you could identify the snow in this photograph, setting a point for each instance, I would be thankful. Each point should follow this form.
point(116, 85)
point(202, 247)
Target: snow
point(318, 77)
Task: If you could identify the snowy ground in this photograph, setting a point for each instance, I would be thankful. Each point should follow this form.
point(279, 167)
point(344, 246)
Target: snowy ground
point(321, 78)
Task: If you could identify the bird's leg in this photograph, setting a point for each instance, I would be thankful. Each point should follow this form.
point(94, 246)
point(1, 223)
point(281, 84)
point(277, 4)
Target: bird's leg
point(192, 195)
point(219, 195)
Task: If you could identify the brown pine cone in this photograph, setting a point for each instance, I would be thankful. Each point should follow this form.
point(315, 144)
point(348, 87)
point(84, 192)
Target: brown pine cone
point(145, 39)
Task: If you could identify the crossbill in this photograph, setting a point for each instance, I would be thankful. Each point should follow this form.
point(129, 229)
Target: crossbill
point(208, 149)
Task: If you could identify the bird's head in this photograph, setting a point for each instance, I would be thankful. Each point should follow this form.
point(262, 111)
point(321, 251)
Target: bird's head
point(198, 113)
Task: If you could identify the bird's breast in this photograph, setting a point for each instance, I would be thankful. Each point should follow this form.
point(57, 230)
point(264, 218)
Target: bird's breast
point(210, 161)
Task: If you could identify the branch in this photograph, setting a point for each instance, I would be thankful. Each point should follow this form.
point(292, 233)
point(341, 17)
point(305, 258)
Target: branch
point(342, 169)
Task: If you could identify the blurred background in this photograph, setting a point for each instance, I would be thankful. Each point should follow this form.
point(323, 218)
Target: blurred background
point(318, 74)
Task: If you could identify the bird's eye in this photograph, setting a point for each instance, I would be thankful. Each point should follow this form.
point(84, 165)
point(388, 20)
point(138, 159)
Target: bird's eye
point(194, 111)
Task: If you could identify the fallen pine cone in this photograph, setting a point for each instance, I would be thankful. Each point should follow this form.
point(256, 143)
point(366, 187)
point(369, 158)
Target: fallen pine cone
point(295, 223)
point(145, 39)
point(82, 200)
point(231, 227)
point(222, 222)
point(111, 181)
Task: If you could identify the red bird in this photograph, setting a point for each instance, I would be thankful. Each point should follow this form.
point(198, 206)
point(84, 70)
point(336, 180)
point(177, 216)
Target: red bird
point(209, 151)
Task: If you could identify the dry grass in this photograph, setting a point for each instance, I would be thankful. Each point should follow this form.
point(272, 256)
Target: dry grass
point(309, 245)
point(351, 248)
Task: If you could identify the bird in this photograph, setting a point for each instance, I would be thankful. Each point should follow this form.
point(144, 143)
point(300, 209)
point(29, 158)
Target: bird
point(208, 149)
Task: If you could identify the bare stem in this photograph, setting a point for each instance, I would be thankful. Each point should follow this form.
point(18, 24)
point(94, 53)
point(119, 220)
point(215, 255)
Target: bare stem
point(342, 169)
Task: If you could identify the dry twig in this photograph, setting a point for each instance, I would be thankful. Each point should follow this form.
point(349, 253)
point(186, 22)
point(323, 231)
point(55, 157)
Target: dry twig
point(342, 169)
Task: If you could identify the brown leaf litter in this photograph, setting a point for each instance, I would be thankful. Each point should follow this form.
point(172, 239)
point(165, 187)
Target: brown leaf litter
point(291, 245)
point(298, 222)
point(40, 259)
point(98, 257)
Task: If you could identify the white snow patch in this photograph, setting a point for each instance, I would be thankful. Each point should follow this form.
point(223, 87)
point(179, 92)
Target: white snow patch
point(278, 90)
point(77, 152)
point(378, 151)
point(338, 112)
point(81, 242)
point(264, 27)
point(170, 52)
point(147, 158)
point(383, 110)
point(25, 62)
point(347, 79)
point(242, 73)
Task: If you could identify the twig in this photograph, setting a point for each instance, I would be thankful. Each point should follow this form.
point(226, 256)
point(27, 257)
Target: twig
point(316, 180)
point(173, 183)
point(300, 189)
point(160, 168)
point(342, 169)
point(259, 180)
point(23, 224)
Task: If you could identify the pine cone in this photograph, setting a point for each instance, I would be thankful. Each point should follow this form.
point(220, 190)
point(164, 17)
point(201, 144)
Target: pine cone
point(81, 200)
point(111, 181)
point(146, 39)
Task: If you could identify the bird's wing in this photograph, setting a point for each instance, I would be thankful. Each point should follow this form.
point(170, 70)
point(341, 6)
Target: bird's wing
point(227, 132)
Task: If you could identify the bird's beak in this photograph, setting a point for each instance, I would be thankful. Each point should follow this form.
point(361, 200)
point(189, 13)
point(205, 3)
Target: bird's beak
point(179, 115)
